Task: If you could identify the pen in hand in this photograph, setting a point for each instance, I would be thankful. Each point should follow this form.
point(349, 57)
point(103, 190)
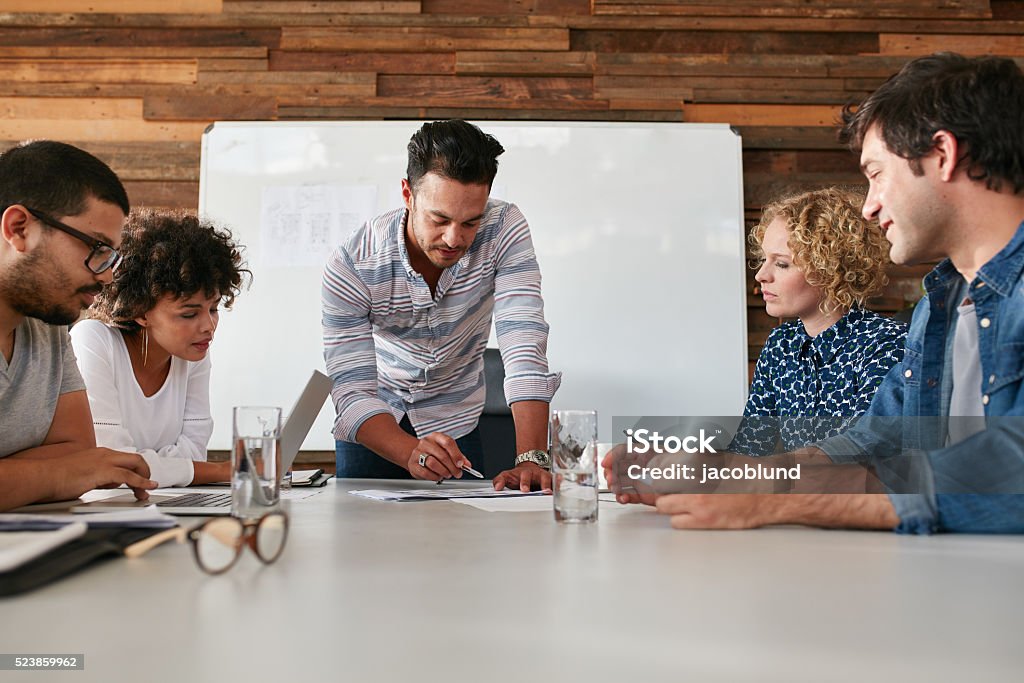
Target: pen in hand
point(467, 470)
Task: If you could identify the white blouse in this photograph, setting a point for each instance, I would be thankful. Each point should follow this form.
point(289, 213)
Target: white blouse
point(169, 429)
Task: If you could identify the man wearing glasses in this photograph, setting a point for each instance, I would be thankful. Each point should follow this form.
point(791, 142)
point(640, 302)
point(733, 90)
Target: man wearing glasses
point(61, 215)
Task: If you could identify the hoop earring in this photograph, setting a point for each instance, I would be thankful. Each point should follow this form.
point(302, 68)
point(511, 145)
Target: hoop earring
point(145, 346)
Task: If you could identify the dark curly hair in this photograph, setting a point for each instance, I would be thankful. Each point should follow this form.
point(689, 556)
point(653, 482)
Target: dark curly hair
point(979, 100)
point(169, 252)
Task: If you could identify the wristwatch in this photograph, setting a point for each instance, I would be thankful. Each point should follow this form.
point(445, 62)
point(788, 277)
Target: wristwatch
point(535, 456)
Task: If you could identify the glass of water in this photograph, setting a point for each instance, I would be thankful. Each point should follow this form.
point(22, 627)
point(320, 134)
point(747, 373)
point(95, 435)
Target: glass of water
point(573, 436)
point(255, 461)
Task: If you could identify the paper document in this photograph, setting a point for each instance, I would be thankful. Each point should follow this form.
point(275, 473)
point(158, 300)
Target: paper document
point(18, 547)
point(143, 518)
point(528, 504)
point(301, 224)
point(533, 504)
point(291, 494)
point(441, 494)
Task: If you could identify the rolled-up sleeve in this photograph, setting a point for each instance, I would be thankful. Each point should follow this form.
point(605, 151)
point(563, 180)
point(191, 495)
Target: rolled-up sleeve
point(916, 512)
point(877, 435)
point(348, 346)
point(519, 314)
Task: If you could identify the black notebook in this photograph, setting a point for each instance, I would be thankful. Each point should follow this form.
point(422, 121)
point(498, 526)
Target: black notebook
point(92, 547)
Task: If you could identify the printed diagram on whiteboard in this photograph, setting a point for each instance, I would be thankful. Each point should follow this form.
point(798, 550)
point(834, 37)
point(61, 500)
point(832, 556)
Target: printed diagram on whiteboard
point(301, 224)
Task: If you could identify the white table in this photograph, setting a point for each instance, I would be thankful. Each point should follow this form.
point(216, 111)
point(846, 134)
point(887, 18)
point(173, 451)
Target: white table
point(439, 591)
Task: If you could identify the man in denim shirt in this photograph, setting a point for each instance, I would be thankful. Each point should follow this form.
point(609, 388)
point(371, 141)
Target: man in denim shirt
point(942, 146)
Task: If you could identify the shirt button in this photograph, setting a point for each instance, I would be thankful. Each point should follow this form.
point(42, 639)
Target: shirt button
point(979, 285)
point(908, 374)
point(985, 322)
point(984, 399)
point(932, 381)
point(991, 379)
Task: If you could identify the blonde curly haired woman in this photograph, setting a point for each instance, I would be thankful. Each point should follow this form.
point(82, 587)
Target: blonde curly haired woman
point(819, 261)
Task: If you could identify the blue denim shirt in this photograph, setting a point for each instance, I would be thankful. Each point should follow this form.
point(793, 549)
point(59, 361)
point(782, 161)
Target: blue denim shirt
point(920, 385)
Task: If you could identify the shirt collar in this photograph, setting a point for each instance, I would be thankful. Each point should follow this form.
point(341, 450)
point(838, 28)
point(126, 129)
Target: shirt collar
point(1003, 271)
point(403, 251)
point(1000, 273)
point(448, 275)
point(829, 342)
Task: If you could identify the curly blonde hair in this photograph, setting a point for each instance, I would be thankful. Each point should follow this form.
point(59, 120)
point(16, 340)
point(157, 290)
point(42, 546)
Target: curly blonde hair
point(832, 244)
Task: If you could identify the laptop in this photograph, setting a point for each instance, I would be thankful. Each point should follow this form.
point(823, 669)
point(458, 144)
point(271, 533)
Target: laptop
point(207, 503)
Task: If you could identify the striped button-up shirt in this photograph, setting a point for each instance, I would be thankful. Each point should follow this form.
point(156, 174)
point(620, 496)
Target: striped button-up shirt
point(391, 347)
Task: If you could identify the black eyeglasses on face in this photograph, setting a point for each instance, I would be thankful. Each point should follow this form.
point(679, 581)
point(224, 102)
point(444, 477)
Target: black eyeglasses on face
point(102, 258)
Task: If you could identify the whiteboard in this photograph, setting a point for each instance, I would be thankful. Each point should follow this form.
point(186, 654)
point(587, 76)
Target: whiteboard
point(638, 229)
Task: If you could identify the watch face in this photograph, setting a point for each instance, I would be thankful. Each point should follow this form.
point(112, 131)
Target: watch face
point(543, 459)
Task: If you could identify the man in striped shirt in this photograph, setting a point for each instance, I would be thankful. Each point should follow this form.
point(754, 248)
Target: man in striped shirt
point(407, 308)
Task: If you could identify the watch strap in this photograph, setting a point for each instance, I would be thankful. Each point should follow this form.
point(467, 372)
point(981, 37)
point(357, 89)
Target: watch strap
point(536, 456)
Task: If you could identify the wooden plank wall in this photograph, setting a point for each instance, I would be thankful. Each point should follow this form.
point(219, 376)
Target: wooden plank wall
point(137, 81)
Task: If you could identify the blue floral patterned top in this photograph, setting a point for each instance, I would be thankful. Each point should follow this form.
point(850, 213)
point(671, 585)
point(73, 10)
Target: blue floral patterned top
point(806, 389)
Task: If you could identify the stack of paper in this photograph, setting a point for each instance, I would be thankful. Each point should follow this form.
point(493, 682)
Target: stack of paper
point(18, 547)
point(142, 518)
point(540, 505)
point(300, 493)
point(441, 494)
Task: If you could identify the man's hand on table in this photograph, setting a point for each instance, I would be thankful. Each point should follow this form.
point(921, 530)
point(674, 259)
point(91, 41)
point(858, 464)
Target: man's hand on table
point(626, 489)
point(525, 477)
point(440, 457)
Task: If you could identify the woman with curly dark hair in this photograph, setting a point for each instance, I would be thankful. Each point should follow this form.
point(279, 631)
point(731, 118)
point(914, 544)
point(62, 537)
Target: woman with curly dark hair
point(143, 353)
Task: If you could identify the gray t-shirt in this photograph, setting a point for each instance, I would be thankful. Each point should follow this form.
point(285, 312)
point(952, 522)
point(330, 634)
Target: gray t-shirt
point(42, 368)
point(966, 411)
